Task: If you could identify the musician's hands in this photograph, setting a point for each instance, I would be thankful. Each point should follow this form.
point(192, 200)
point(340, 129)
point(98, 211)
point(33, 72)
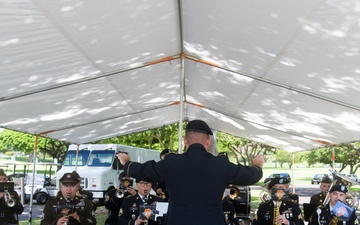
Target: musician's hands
point(258, 161)
point(123, 158)
point(131, 190)
point(281, 219)
point(138, 221)
point(75, 216)
point(62, 220)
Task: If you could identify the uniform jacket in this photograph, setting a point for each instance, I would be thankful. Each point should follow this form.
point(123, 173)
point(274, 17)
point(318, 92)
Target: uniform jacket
point(130, 209)
point(113, 204)
point(326, 217)
point(317, 199)
point(265, 213)
point(82, 206)
point(196, 181)
point(229, 212)
point(9, 214)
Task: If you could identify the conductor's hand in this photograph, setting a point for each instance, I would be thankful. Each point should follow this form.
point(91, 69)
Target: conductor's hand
point(258, 161)
point(123, 158)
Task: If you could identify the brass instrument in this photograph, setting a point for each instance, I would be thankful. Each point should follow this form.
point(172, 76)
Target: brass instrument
point(234, 193)
point(276, 213)
point(120, 193)
point(10, 202)
point(344, 180)
point(265, 195)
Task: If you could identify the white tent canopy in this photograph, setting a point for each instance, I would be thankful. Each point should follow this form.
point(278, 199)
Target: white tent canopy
point(284, 73)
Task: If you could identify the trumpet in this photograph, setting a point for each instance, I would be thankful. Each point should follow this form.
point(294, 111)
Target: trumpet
point(120, 193)
point(10, 202)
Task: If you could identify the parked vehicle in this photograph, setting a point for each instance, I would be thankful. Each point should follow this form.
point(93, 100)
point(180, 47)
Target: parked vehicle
point(98, 167)
point(272, 176)
point(317, 178)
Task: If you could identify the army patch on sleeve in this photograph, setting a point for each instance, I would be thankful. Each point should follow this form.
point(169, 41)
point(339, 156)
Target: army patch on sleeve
point(107, 198)
point(120, 212)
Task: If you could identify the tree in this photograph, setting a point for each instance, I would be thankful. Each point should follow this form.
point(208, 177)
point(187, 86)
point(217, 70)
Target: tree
point(158, 138)
point(242, 147)
point(282, 157)
point(17, 141)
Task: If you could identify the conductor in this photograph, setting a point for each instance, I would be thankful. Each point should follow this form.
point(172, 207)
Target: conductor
point(196, 180)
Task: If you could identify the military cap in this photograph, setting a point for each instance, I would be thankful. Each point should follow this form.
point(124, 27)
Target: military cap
point(278, 180)
point(2, 173)
point(142, 179)
point(68, 178)
point(339, 187)
point(76, 175)
point(198, 126)
point(326, 179)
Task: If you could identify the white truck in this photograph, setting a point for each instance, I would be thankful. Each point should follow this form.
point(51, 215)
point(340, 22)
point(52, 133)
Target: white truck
point(98, 167)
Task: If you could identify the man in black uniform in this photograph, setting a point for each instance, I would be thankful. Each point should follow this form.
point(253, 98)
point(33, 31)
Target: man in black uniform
point(324, 187)
point(130, 207)
point(195, 180)
point(160, 186)
point(323, 215)
point(113, 202)
point(289, 212)
point(9, 213)
point(68, 208)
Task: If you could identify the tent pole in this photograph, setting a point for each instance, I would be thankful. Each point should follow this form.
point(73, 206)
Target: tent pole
point(77, 156)
point(333, 158)
point(293, 172)
point(181, 113)
point(33, 179)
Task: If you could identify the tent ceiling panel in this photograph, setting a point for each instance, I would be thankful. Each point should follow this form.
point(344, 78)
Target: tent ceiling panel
point(281, 73)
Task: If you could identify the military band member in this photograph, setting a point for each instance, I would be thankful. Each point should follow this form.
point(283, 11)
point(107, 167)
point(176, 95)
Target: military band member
point(9, 213)
point(323, 215)
point(289, 212)
point(130, 207)
point(113, 202)
point(68, 208)
point(84, 193)
point(324, 187)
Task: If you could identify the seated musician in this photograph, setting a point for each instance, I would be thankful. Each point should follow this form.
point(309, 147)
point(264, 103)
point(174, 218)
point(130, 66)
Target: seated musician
point(10, 205)
point(280, 209)
point(325, 214)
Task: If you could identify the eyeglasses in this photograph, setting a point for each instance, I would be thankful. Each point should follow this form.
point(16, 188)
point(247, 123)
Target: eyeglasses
point(144, 184)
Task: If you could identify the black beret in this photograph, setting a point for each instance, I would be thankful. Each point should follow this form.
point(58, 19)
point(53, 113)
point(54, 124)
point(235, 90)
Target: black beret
point(199, 126)
point(278, 180)
point(2, 173)
point(142, 179)
point(339, 187)
point(121, 175)
point(326, 179)
point(68, 178)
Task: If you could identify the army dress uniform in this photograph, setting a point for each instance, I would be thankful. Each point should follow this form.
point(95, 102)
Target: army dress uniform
point(318, 198)
point(9, 215)
point(113, 204)
point(325, 217)
point(82, 206)
point(265, 213)
point(130, 209)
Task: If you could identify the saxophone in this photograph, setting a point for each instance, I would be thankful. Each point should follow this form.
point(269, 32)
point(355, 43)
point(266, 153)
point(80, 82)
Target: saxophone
point(276, 213)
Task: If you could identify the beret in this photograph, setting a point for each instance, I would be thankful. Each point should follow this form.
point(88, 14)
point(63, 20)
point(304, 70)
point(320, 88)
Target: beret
point(278, 180)
point(198, 126)
point(2, 173)
point(339, 187)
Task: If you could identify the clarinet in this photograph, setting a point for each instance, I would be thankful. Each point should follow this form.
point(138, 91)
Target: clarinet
point(67, 205)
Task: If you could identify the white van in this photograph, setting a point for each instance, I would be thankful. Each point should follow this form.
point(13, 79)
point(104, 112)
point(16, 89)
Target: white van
point(98, 166)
